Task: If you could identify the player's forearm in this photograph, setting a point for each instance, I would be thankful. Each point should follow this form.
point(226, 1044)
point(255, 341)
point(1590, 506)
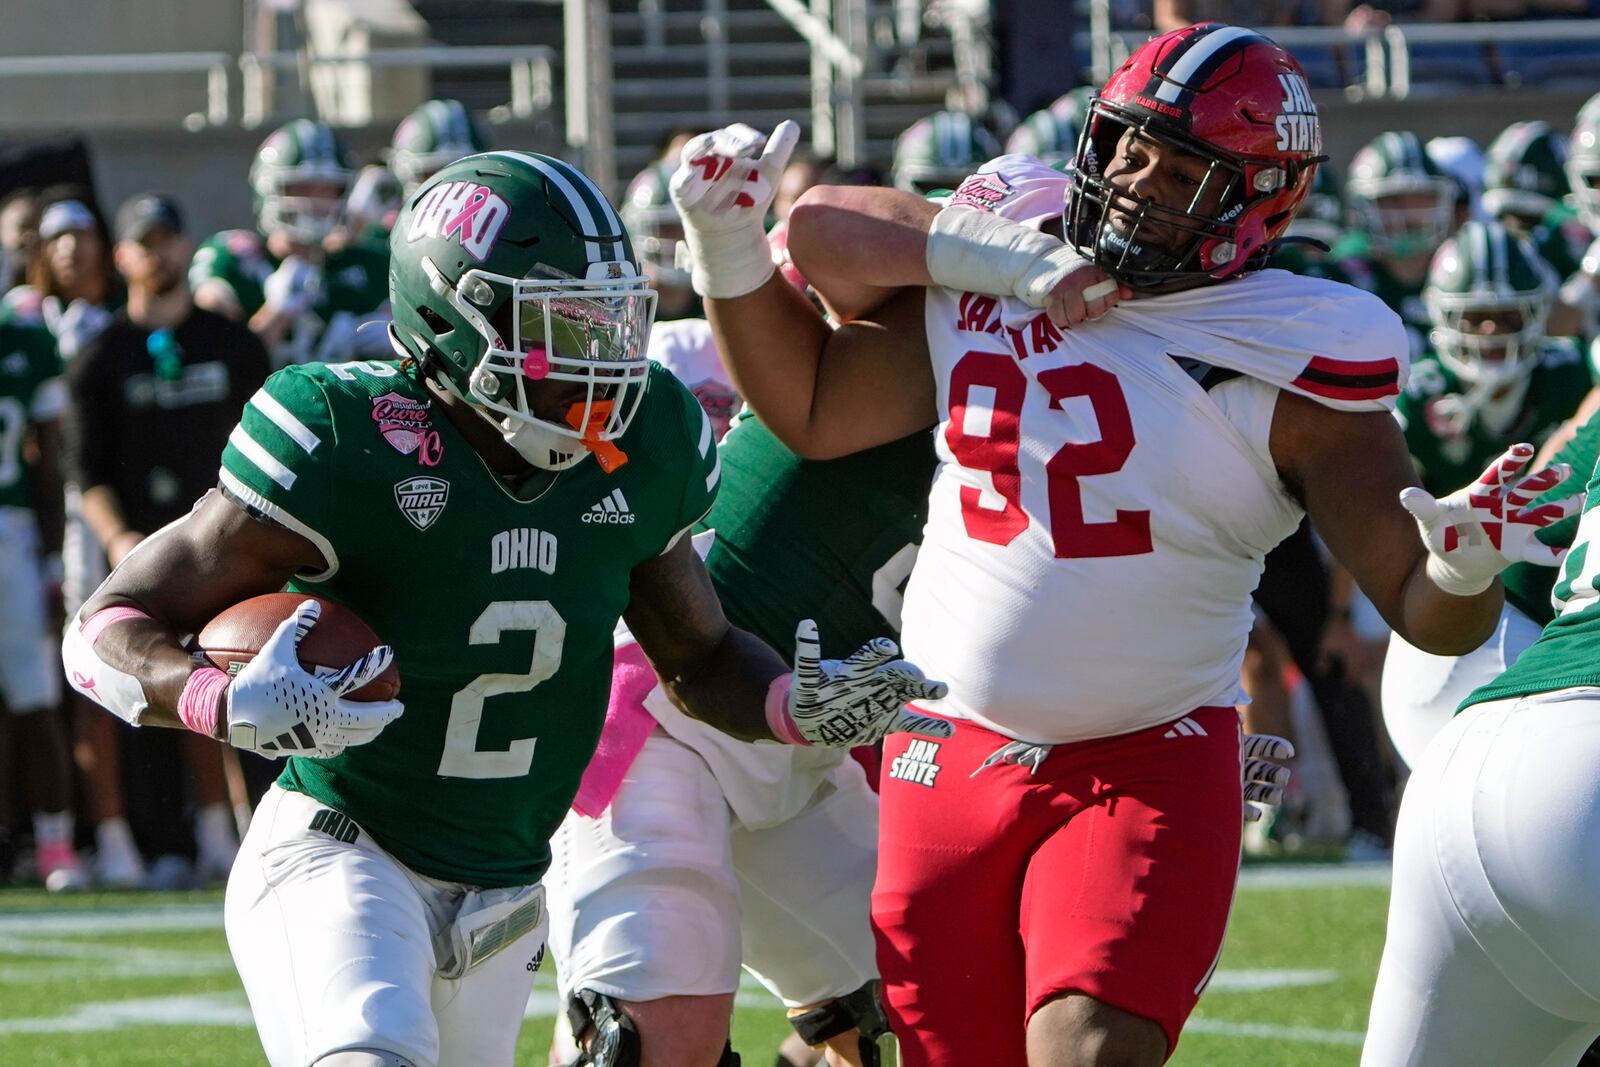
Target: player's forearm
point(1446, 625)
point(856, 245)
point(728, 689)
point(141, 647)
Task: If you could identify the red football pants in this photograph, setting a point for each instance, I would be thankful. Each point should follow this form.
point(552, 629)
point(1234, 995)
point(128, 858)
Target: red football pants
point(1108, 871)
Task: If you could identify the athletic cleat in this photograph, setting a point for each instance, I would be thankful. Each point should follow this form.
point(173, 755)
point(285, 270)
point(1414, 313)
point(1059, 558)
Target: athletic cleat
point(60, 869)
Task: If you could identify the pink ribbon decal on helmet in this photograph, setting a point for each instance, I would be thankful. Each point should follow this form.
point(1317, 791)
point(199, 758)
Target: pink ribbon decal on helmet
point(462, 220)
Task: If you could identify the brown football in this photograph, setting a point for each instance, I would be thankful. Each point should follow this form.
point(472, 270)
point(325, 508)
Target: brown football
point(339, 638)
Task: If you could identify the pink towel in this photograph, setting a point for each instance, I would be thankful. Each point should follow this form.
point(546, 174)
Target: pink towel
point(627, 726)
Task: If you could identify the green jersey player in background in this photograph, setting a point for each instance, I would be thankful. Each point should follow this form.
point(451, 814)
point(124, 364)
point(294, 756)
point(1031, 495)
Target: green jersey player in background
point(32, 737)
point(686, 844)
point(300, 283)
point(1402, 205)
point(449, 499)
point(1493, 379)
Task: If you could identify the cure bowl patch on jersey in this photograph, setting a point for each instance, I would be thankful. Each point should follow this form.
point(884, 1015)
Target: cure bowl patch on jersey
point(983, 191)
point(406, 424)
point(422, 499)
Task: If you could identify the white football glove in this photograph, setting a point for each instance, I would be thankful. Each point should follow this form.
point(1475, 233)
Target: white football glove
point(74, 325)
point(1476, 532)
point(853, 701)
point(1262, 772)
point(293, 288)
point(275, 708)
point(723, 188)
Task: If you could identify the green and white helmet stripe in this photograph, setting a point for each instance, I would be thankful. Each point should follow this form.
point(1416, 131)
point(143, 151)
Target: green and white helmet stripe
point(598, 220)
point(1392, 164)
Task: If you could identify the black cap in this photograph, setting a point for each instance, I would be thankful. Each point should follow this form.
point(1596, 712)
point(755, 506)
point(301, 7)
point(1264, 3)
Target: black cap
point(140, 214)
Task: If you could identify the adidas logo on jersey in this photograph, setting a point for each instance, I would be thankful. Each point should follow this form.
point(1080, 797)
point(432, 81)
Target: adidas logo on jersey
point(613, 509)
point(1185, 727)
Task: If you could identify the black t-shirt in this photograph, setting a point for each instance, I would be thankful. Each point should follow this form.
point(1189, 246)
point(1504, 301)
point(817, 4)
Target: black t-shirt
point(151, 411)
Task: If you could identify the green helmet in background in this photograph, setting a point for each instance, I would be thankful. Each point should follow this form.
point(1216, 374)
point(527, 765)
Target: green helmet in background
point(1583, 162)
point(299, 180)
point(509, 269)
point(938, 151)
point(1525, 172)
point(1399, 196)
point(1484, 271)
point(1321, 214)
point(1051, 134)
point(437, 133)
point(652, 218)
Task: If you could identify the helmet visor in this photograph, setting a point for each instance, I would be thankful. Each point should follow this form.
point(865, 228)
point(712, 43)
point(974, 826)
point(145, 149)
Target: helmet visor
point(575, 359)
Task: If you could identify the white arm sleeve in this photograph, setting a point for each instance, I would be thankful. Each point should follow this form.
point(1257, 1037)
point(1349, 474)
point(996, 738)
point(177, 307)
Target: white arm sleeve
point(117, 691)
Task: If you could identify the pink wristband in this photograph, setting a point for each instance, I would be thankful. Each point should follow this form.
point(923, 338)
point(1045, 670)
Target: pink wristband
point(197, 704)
point(779, 721)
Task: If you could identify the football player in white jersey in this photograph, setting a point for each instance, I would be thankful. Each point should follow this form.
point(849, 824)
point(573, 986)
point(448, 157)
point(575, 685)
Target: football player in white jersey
point(1054, 878)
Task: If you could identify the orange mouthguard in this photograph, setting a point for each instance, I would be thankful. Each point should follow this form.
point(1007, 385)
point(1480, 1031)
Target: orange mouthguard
point(606, 453)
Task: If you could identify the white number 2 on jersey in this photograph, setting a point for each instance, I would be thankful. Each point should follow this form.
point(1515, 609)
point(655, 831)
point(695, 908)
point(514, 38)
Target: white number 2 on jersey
point(461, 758)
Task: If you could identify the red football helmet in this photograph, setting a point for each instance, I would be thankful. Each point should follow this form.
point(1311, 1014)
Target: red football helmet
point(1228, 96)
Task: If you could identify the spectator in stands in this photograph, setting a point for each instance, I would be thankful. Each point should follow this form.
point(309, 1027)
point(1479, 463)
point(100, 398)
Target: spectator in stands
point(1375, 14)
point(71, 286)
point(152, 401)
point(19, 237)
point(1258, 14)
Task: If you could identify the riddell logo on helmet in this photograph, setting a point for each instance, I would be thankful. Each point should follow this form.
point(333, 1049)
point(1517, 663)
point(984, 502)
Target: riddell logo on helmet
point(464, 211)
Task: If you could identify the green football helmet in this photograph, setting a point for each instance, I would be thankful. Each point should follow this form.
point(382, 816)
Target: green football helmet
point(299, 180)
point(1488, 295)
point(1321, 215)
point(1583, 162)
point(1524, 172)
point(1051, 134)
point(437, 133)
point(1399, 196)
point(938, 151)
point(509, 270)
point(652, 219)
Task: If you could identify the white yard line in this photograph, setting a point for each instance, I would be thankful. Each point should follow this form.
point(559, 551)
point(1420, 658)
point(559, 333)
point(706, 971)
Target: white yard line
point(1269, 1032)
point(1316, 876)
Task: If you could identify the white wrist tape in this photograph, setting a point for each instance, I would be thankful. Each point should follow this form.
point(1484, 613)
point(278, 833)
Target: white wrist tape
point(115, 690)
point(977, 252)
point(1453, 581)
point(730, 263)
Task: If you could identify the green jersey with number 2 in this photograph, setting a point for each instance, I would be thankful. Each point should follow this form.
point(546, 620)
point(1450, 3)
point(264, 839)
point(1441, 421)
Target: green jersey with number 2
point(30, 391)
point(500, 609)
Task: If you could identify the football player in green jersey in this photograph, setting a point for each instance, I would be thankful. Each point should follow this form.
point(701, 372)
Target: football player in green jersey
point(491, 504)
point(1492, 936)
point(1493, 376)
point(1402, 205)
point(1494, 379)
point(683, 843)
point(303, 288)
point(32, 400)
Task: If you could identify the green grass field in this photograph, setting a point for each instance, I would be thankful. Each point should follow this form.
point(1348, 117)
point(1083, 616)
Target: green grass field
point(123, 980)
